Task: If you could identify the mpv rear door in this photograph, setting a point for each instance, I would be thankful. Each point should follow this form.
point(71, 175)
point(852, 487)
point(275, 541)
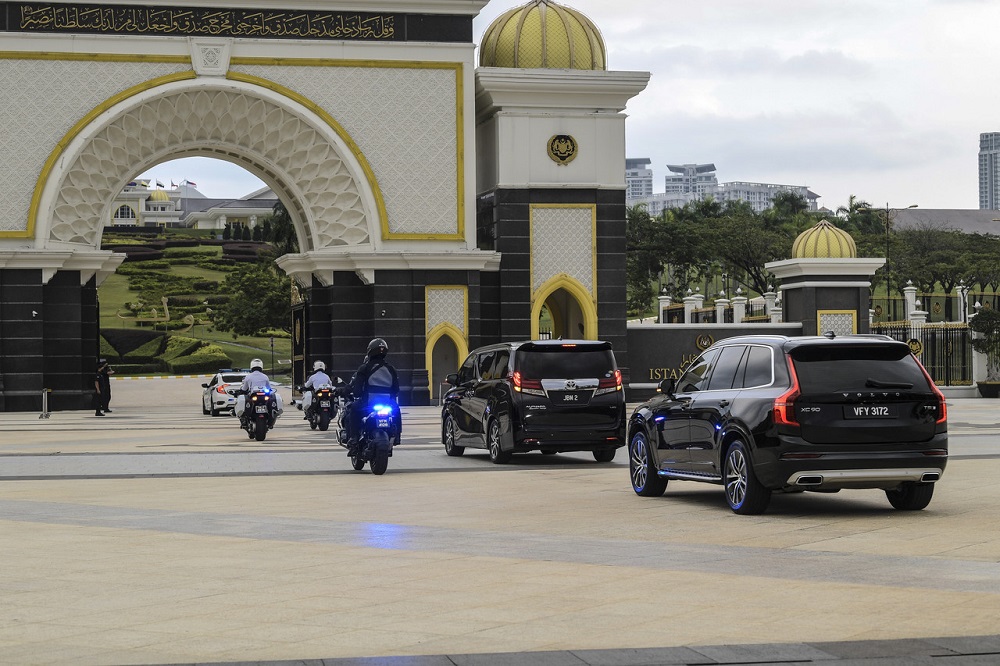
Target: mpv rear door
point(562, 386)
point(862, 394)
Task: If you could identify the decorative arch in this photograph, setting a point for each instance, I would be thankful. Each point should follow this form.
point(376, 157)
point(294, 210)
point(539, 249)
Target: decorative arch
point(444, 329)
point(291, 144)
point(575, 289)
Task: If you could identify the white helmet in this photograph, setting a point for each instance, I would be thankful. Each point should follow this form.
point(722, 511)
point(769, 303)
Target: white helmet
point(256, 364)
point(319, 365)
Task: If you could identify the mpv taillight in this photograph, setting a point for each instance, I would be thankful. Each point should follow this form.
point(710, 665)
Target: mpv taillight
point(784, 404)
point(529, 386)
point(610, 384)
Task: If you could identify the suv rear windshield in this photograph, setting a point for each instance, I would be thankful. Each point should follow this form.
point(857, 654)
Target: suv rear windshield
point(564, 363)
point(828, 369)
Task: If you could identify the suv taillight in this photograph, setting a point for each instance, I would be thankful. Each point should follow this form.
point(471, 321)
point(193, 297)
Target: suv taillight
point(942, 409)
point(784, 404)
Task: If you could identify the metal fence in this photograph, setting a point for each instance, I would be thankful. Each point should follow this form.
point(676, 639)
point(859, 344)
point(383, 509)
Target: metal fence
point(944, 349)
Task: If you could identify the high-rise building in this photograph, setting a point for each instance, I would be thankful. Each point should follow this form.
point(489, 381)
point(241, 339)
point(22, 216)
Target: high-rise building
point(989, 171)
point(692, 182)
point(638, 178)
point(694, 179)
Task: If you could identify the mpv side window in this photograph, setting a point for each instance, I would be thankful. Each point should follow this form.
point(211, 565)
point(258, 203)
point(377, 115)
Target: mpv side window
point(500, 366)
point(697, 375)
point(467, 373)
point(724, 375)
point(759, 370)
point(485, 364)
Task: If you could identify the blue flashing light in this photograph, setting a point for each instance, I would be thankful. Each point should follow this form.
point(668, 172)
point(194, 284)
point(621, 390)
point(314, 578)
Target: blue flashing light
point(382, 410)
point(658, 419)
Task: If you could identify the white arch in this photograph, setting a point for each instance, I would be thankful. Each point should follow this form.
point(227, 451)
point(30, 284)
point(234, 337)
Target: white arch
point(307, 159)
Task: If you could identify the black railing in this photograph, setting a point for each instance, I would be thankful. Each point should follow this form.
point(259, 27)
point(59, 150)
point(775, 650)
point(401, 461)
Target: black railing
point(944, 349)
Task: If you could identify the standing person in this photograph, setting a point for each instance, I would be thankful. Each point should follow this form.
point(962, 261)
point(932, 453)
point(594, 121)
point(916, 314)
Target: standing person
point(98, 388)
point(104, 371)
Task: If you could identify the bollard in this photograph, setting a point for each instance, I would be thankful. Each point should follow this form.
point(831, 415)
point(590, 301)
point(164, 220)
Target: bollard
point(45, 403)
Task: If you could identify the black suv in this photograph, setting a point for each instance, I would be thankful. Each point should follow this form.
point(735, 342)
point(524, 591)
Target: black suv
point(759, 414)
point(548, 395)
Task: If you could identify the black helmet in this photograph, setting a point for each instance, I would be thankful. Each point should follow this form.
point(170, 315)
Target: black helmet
point(377, 348)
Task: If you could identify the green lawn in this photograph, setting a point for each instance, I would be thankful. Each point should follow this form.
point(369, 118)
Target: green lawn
point(114, 294)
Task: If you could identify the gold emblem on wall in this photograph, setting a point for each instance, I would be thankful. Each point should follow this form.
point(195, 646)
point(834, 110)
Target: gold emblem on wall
point(916, 346)
point(562, 149)
point(704, 341)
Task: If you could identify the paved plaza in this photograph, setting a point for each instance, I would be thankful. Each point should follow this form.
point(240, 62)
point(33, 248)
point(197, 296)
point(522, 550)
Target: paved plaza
point(158, 535)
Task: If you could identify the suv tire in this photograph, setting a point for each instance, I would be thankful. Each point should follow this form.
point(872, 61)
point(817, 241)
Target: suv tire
point(745, 494)
point(910, 496)
point(645, 482)
point(497, 455)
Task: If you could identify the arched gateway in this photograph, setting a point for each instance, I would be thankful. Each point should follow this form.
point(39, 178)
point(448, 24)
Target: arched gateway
point(438, 205)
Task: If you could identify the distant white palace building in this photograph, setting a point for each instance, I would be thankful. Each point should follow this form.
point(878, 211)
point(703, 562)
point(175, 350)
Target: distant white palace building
point(184, 206)
point(691, 182)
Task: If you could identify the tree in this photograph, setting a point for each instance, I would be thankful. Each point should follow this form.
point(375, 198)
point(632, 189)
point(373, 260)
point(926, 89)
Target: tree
point(258, 234)
point(260, 300)
point(987, 325)
point(227, 232)
point(283, 237)
point(245, 233)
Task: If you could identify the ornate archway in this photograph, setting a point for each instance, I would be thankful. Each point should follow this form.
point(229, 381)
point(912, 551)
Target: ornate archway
point(289, 143)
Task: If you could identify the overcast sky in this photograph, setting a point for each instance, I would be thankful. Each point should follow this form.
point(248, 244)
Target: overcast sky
point(883, 99)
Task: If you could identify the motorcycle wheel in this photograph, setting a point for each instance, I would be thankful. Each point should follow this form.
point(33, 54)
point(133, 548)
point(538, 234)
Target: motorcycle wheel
point(324, 421)
point(312, 423)
point(260, 430)
point(358, 463)
point(380, 453)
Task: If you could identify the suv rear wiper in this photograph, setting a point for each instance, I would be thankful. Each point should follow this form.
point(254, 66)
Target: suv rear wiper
point(874, 383)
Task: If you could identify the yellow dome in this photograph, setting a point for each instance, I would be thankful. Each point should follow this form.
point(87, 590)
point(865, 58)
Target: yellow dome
point(543, 35)
point(159, 195)
point(824, 241)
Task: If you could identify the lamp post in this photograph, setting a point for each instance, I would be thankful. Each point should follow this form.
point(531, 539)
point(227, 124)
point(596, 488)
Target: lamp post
point(888, 214)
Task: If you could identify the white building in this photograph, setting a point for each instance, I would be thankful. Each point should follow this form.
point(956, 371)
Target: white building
point(638, 178)
point(184, 206)
point(692, 182)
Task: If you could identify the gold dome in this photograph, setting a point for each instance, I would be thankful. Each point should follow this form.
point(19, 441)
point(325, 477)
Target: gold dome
point(543, 35)
point(159, 195)
point(824, 241)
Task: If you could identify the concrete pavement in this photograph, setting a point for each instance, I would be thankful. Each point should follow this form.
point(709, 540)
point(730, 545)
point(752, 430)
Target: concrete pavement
point(165, 536)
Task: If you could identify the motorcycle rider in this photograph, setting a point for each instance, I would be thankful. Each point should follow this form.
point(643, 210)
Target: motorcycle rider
point(375, 378)
point(256, 380)
point(317, 379)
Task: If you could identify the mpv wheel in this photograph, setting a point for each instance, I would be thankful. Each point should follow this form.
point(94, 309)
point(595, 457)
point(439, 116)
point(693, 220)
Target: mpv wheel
point(911, 496)
point(645, 482)
point(745, 494)
point(497, 454)
point(450, 447)
point(604, 455)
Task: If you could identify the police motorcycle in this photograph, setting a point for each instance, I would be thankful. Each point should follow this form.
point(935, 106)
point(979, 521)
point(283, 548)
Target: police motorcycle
point(378, 431)
point(323, 407)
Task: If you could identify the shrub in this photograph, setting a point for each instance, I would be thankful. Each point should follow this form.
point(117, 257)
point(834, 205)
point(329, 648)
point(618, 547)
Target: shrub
point(147, 352)
point(108, 352)
point(208, 358)
point(138, 368)
point(178, 345)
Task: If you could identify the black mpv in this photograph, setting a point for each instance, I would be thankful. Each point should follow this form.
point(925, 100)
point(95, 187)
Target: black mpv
point(763, 414)
point(544, 395)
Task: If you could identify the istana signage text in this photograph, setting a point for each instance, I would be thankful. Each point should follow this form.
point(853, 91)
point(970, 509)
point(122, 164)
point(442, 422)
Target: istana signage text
point(139, 20)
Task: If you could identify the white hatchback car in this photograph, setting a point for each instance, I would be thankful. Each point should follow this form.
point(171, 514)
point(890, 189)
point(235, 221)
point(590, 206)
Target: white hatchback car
point(214, 398)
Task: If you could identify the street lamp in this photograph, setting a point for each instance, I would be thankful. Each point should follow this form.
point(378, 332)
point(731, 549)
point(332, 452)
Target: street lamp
point(888, 214)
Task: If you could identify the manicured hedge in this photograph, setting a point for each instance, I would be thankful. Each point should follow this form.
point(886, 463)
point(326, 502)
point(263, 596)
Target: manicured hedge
point(178, 345)
point(146, 353)
point(208, 358)
point(108, 352)
point(125, 340)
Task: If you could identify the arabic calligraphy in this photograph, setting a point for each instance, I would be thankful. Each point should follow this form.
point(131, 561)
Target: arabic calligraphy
point(210, 22)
